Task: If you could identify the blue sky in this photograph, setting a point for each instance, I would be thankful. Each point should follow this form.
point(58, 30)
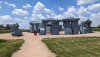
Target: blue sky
point(51, 4)
point(24, 11)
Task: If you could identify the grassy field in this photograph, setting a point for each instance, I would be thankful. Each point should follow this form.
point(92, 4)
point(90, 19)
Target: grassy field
point(8, 31)
point(8, 47)
point(4, 31)
point(96, 29)
point(74, 47)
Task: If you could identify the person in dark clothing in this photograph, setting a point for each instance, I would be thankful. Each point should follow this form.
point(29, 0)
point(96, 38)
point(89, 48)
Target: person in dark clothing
point(35, 33)
point(39, 31)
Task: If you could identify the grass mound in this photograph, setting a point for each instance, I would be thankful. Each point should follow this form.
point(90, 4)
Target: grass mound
point(74, 47)
point(8, 47)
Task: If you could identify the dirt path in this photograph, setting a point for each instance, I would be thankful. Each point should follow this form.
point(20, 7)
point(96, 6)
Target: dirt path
point(34, 47)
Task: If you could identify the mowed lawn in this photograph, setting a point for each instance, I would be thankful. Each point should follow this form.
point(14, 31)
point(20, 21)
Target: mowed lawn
point(74, 47)
point(8, 47)
point(96, 29)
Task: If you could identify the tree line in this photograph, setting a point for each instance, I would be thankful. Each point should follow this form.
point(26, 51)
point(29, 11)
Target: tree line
point(4, 27)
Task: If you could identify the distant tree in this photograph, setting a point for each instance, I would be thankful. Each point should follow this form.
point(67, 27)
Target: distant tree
point(7, 26)
point(98, 26)
point(1, 26)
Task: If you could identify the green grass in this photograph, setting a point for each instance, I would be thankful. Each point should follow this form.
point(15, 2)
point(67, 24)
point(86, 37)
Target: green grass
point(8, 47)
point(4, 31)
point(25, 30)
point(74, 47)
point(96, 29)
point(8, 31)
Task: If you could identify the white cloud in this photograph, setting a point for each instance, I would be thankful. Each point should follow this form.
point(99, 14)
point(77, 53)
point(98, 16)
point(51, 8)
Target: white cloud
point(61, 9)
point(82, 11)
point(71, 12)
point(82, 2)
point(26, 18)
point(71, 9)
point(40, 12)
point(10, 5)
point(60, 16)
point(37, 17)
point(24, 24)
point(27, 6)
point(5, 19)
point(94, 7)
point(51, 15)
point(40, 8)
point(95, 17)
point(82, 18)
point(20, 12)
point(18, 20)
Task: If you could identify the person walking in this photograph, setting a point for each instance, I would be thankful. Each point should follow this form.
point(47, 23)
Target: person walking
point(35, 33)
